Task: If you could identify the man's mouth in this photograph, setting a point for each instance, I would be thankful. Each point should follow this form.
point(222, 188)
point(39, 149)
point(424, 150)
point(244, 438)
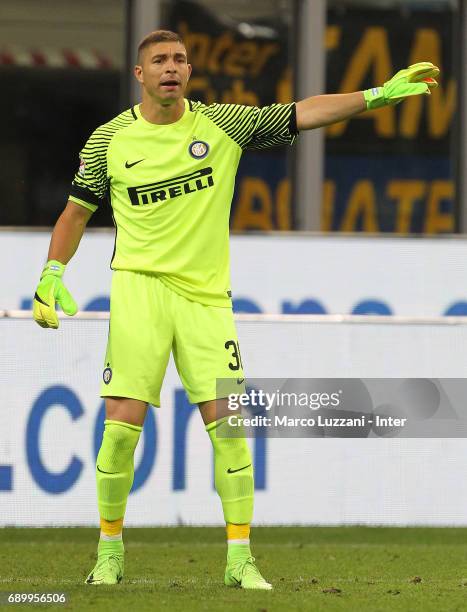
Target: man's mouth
point(171, 83)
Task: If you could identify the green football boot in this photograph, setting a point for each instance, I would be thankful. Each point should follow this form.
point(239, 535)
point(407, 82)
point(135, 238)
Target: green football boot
point(243, 573)
point(109, 566)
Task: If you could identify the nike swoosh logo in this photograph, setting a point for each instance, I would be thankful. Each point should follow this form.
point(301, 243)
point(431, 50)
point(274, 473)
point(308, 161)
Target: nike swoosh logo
point(102, 471)
point(240, 380)
point(128, 165)
point(36, 297)
point(231, 471)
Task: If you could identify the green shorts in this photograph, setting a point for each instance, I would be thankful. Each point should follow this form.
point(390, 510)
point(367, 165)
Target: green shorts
point(147, 321)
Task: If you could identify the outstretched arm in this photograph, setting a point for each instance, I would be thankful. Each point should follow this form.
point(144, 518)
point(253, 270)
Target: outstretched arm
point(319, 111)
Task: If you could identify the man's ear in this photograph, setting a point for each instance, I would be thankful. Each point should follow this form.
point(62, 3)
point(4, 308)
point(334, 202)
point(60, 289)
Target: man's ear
point(138, 72)
point(190, 68)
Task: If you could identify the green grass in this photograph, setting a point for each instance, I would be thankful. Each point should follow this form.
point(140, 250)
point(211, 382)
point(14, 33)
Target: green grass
point(181, 569)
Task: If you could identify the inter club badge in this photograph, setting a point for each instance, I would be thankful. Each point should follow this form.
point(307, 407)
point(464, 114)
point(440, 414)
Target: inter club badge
point(107, 375)
point(198, 149)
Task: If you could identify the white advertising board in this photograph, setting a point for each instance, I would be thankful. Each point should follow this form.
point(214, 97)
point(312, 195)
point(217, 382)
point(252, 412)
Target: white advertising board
point(51, 418)
point(276, 274)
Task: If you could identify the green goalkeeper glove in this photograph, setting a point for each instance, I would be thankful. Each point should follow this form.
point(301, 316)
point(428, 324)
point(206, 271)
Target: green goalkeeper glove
point(49, 290)
point(412, 81)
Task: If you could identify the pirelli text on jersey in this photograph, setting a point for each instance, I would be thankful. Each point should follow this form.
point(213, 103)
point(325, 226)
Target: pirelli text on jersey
point(171, 188)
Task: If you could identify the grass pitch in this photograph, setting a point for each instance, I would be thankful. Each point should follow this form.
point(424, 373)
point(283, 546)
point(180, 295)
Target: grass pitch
point(181, 569)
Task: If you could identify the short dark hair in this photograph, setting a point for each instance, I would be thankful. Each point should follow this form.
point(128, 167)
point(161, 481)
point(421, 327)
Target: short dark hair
point(156, 37)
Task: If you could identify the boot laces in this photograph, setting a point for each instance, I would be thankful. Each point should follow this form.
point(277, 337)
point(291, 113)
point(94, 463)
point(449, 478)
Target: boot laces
point(113, 561)
point(249, 569)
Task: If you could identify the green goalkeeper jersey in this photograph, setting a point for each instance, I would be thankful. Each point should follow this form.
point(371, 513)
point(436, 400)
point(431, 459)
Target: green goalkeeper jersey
point(171, 186)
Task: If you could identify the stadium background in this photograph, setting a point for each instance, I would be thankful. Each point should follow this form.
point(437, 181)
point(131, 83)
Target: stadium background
point(386, 191)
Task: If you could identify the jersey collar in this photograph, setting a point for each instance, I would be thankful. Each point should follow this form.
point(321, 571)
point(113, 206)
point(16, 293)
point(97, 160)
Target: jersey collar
point(158, 126)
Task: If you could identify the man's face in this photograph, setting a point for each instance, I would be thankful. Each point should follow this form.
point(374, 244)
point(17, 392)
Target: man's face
point(164, 71)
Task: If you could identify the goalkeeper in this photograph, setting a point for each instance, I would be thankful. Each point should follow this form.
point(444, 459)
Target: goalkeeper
point(168, 166)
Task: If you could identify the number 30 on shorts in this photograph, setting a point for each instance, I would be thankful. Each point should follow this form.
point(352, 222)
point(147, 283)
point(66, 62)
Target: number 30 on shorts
point(236, 362)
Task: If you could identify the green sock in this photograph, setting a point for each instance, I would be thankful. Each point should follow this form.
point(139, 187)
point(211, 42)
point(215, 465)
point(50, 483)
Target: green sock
point(233, 471)
point(238, 552)
point(106, 547)
point(115, 468)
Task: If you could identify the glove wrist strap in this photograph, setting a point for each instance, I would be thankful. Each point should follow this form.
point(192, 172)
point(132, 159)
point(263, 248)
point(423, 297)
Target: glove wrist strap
point(374, 98)
point(53, 268)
